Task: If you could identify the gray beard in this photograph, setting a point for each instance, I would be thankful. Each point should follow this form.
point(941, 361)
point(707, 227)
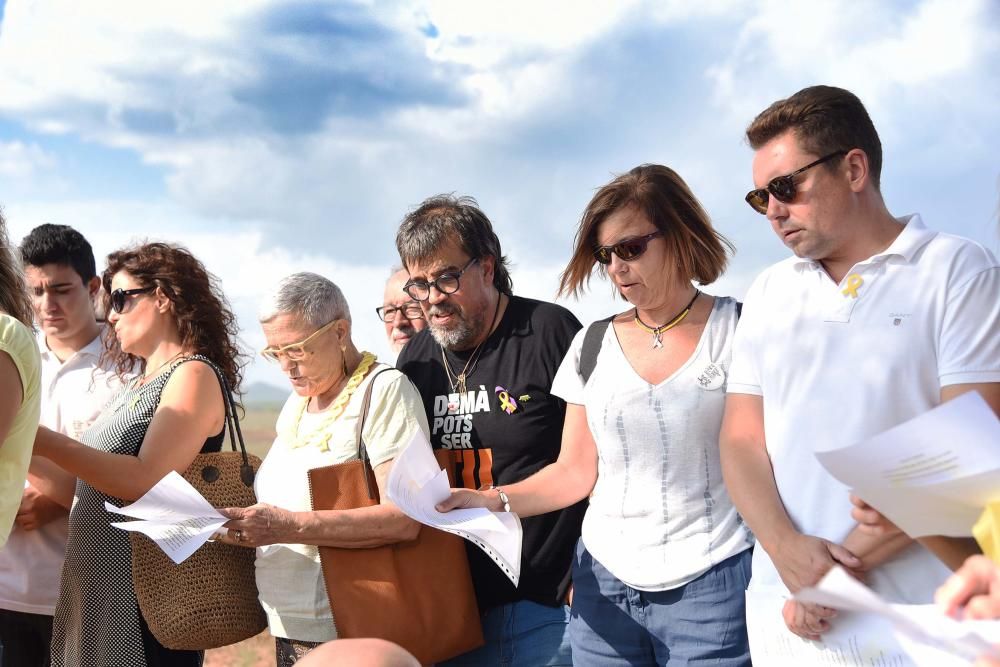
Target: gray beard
point(453, 339)
point(459, 337)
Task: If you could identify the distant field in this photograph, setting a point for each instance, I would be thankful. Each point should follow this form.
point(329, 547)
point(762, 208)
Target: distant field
point(258, 426)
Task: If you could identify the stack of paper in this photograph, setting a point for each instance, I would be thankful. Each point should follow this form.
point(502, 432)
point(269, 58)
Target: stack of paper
point(932, 475)
point(417, 484)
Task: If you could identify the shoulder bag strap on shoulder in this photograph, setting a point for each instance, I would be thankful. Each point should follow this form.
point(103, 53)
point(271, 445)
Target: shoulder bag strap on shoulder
point(591, 347)
point(362, 450)
point(231, 422)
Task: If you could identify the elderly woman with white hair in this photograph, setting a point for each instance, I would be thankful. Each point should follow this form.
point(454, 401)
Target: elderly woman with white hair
point(307, 325)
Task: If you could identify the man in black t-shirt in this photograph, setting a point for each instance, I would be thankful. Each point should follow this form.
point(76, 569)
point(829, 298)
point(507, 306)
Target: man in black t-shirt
point(484, 367)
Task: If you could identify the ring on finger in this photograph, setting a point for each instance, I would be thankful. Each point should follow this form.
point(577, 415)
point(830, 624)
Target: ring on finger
point(238, 535)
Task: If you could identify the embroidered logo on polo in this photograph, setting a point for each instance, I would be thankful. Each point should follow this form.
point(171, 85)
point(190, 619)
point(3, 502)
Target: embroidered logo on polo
point(507, 402)
point(899, 318)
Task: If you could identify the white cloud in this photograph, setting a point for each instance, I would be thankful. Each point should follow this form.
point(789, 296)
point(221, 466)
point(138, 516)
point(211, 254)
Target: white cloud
point(873, 49)
point(283, 153)
point(22, 161)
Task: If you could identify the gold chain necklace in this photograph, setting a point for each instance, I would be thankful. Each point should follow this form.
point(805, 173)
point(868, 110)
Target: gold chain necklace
point(148, 376)
point(457, 382)
point(320, 435)
point(658, 331)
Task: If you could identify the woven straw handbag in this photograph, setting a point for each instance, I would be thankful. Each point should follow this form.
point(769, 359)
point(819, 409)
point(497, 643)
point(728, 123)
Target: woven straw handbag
point(417, 594)
point(209, 600)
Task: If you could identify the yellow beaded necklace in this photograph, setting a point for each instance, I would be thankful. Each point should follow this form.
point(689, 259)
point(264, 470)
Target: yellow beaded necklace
point(320, 435)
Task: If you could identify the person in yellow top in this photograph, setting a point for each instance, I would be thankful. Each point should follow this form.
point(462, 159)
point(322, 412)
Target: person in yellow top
point(20, 385)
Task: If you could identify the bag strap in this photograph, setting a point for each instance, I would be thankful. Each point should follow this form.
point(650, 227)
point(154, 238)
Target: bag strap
point(362, 449)
point(247, 473)
point(591, 347)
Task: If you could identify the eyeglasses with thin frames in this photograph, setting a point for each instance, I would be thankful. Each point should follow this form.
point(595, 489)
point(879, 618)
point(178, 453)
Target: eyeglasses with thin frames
point(782, 187)
point(410, 311)
point(119, 296)
point(446, 283)
point(294, 351)
point(627, 249)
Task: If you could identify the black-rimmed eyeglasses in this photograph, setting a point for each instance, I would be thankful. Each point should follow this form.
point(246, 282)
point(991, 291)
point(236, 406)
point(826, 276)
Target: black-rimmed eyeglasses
point(410, 311)
point(782, 187)
point(446, 283)
point(119, 296)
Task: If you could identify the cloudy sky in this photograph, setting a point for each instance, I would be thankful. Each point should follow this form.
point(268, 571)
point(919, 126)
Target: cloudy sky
point(271, 137)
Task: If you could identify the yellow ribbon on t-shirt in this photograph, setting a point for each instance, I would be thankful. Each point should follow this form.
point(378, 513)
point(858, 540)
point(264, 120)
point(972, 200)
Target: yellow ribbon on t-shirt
point(987, 531)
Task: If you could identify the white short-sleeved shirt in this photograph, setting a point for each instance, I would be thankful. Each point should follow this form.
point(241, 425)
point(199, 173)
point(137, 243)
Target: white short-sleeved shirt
point(659, 515)
point(74, 392)
point(289, 577)
point(834, 369)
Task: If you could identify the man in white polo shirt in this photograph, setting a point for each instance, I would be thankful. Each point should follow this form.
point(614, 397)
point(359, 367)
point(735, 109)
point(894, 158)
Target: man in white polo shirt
point(876, 319)
point(60, 270)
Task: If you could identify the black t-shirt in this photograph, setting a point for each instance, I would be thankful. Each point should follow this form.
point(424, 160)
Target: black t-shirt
point(506, 427)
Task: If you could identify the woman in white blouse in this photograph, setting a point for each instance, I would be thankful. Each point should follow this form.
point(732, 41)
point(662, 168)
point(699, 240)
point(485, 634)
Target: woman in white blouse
point(664, 558)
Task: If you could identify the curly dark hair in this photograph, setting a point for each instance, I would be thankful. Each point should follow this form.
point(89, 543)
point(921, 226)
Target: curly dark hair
point(204, 318)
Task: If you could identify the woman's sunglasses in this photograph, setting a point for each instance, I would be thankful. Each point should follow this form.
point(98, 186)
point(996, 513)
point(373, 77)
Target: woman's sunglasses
point(782, 187)
point(119, 295)
point(628, 249)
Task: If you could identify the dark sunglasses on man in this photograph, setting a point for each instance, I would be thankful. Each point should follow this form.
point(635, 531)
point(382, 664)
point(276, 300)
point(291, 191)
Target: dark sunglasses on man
point(782, 187)
point(119, 295)
point(627, 249)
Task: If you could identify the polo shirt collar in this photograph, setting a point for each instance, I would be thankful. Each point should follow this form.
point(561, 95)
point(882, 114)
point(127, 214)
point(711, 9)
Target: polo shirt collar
point(92, 349)
point(911, 239)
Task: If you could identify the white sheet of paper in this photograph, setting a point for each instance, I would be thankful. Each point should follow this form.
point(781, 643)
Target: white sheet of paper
point(417, 484)
point(854, 640)
point(174, 515)
point(921, 631)
point(931, 475)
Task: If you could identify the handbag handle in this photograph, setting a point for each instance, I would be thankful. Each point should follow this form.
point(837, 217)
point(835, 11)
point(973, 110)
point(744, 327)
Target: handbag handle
point(247, 472)
point(362, 450)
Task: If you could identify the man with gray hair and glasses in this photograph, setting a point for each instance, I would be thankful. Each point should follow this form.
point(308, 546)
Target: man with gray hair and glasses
point(484, 368)
point(402, 316)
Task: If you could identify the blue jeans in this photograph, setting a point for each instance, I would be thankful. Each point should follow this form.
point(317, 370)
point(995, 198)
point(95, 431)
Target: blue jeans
point(700, 623)
point(522, 633)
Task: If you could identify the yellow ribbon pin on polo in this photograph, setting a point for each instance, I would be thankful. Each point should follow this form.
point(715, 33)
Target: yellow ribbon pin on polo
point(854, 282)
point(987, 531)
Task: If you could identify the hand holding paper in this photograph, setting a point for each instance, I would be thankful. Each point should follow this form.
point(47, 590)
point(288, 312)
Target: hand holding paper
point(174, 515)
point(417, 484)
point(932, 475)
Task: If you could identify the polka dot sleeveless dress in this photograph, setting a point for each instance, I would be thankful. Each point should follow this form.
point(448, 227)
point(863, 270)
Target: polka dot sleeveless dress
point(97, 620)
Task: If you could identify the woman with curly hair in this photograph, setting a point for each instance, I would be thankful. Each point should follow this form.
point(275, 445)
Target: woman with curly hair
point(20, 384)
point(172, 324)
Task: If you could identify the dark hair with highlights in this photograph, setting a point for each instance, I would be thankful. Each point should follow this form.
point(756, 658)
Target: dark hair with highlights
point(697, 251)
point(825, 119)
point(203, 316)
point(445, 217)
point(14, 299)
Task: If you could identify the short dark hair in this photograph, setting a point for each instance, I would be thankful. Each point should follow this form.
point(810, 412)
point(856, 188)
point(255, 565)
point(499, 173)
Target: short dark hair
point(59, 244)
point(825, 119)
point(697, 250)
point(444, 217)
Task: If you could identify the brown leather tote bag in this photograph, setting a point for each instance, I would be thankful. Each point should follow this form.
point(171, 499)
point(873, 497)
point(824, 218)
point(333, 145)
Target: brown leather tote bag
point(417, 594)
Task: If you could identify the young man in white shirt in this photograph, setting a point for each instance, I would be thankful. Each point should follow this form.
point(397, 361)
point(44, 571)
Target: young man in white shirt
point(875, 320)
point(60, 270)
